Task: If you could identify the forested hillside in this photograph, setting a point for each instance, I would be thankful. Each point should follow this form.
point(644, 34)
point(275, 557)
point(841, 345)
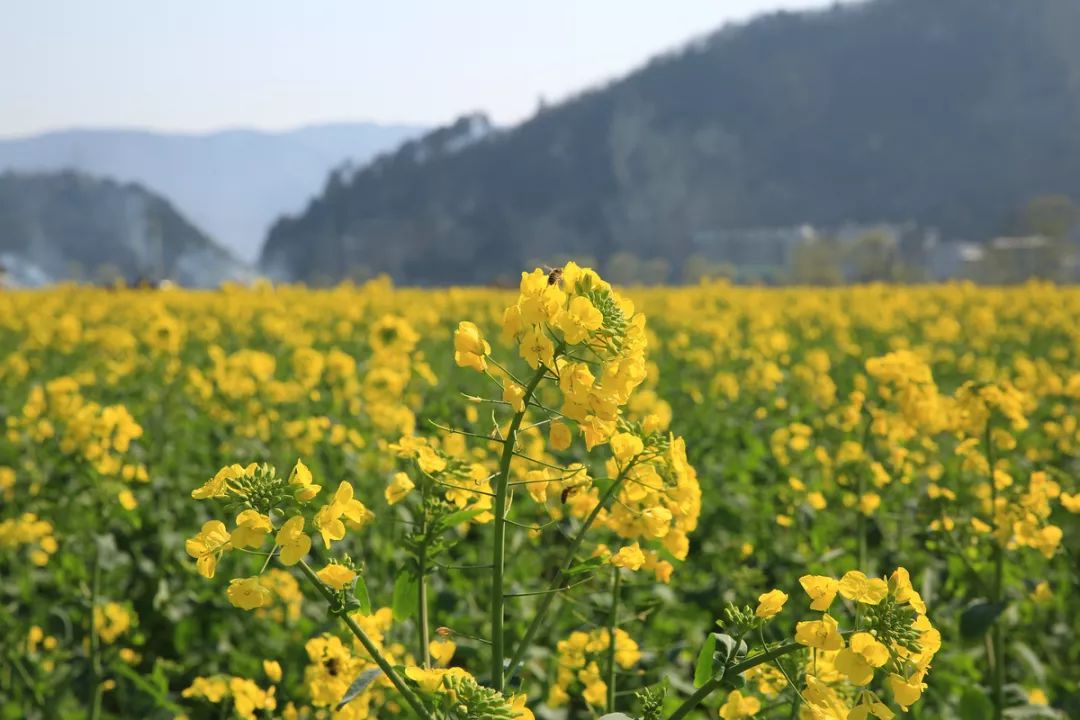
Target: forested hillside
point(56, 226)
point(950, 113)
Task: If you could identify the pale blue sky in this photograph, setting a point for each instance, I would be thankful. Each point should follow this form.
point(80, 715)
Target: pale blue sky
point(197, 65)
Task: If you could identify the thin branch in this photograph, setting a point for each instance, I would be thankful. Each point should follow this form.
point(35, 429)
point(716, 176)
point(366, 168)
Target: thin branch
point(549, 591)
point(464, 489)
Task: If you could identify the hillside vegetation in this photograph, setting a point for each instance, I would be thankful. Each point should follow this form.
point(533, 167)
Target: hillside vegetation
point(949, 113)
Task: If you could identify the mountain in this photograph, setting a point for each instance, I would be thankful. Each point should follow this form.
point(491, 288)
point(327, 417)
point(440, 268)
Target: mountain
point(948, 113)
point(231, 183)
point(63, 225)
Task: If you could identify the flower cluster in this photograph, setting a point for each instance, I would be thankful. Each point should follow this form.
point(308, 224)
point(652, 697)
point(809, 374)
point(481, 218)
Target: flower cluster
point(463, 479)
point(579, 659)
point(97, 438)
point(30, 531)
point(573, 324)
point(454, 694)
point(270, 505)
point(660, 498)
point(892, 634)
point(249, 700)
point(112, 620)
point(333, 665)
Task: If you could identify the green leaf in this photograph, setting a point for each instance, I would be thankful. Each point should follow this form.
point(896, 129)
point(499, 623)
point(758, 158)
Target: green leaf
point(405, 596)
point(159, 678)
point(160, 698)
point(186, 634)
point(1023, 652)
point(359, 685)
point(975, 705)
point(360, 592)
point(977, 619)
point(703, 670)
point(729, 650)
point(616, 716)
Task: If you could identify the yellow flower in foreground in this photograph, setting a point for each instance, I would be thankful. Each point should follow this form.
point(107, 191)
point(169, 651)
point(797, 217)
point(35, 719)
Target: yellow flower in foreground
point(429, 460)
point(294, 542)
point(431, 680)
point(905, 692)
point(442, 649)
point(823, 634)
point(251, 529)
point(629, 557)
point(514, 395)
point(400, 486)
point(904, 592)
point(738, 707)
point(248, 593)
point(625, 446)
point(537, 348)
point(870, 707)
point(821, 589)
point(328, 518)
point(579, 320)
point(207, 546)
point(823, 702)
point(470, 347)
point(218, 486)
point(856, 586)
point(858, 660)
point(517, 704)
point(559, 437)
point(770, 603)
point(300, 479)
point(336, 576)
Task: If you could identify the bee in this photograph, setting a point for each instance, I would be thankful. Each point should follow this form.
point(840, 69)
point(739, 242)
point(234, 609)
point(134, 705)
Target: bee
point(554, 275)
point(567, 493)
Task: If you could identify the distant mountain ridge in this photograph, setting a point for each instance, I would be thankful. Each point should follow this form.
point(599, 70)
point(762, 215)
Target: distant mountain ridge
point(68, 225)
point(948, 113)
point(231, 183)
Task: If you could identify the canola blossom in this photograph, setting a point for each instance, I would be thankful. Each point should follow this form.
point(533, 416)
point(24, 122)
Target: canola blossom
point(369, 502)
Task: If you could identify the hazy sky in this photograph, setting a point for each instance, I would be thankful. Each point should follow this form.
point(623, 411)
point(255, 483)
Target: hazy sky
point(206, 64)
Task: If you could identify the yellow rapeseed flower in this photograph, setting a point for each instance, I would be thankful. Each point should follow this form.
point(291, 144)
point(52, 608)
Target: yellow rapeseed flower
point(336, 576)
point(248, 593)
point(770, 604)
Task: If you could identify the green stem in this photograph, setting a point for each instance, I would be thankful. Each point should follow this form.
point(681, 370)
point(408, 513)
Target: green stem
point(406, 693)
point(613, 622)
point(95, 641)
point(499, 543)
point(860, 530)
point(425, 652)
point(545, 603)
point(998, 631)
point(717, 682)
point(422, 598)
point(16, 663)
